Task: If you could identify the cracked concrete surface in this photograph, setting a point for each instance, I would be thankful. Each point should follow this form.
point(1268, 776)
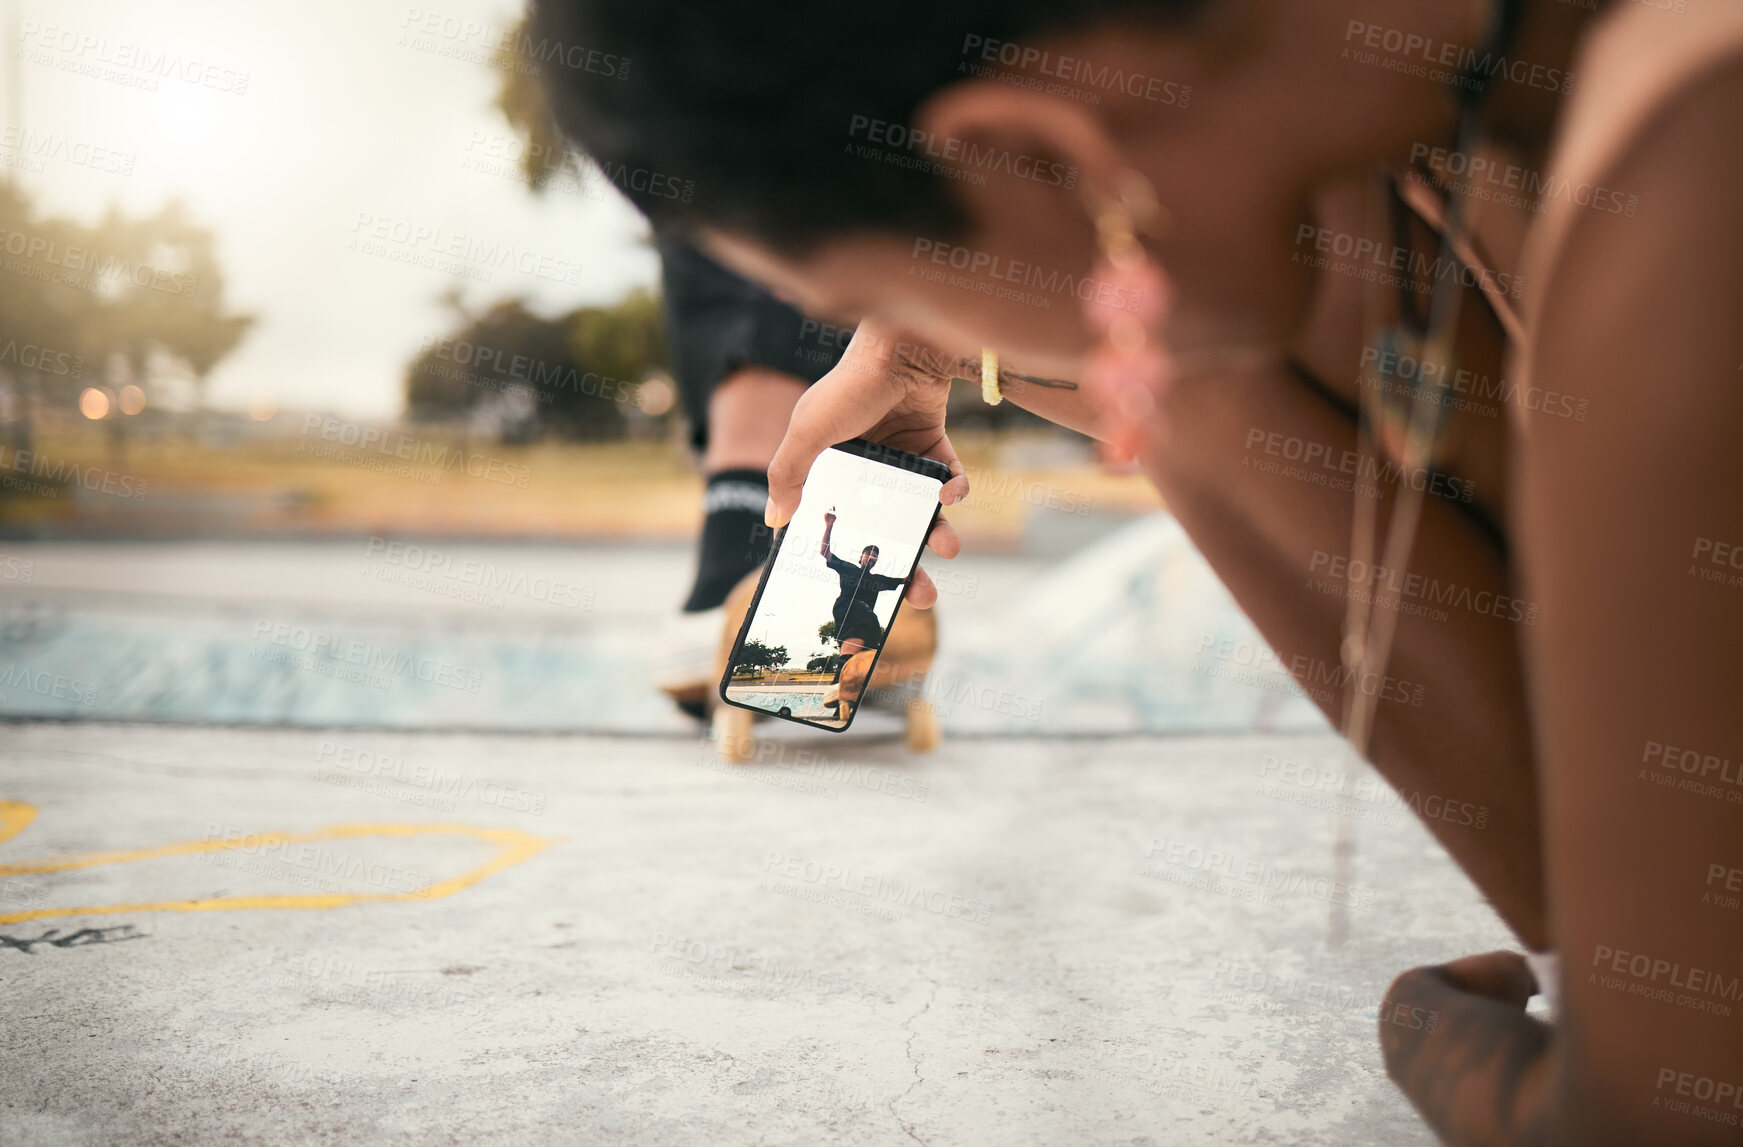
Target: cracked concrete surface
point(1009, 942)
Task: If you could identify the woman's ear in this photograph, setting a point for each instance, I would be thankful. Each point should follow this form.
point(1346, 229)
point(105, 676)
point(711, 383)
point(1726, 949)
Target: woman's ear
point(1014, 151)
point(1025, 168)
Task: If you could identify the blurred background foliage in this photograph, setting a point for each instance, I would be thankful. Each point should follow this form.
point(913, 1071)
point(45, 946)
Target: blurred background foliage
point(504, 371)
point(125, 302)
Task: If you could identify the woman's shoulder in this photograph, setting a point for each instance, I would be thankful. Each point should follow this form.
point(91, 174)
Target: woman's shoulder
point(1649, 70)
point(1632, 316)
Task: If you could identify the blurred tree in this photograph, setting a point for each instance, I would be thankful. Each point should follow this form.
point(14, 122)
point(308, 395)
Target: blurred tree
point(164, 295)
point(826, 631)
point(492, 360)
point(755, 655)
point(521, 100)
point(134, 299)
point(520, 97)
point(574, 376)
point(582, 369)
point(619, 345)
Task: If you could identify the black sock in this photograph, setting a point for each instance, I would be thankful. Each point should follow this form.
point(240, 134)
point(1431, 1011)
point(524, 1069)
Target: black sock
point(734, 539)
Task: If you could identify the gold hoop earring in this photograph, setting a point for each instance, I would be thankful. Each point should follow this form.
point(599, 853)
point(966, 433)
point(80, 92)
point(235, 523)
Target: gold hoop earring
point(1126, 307)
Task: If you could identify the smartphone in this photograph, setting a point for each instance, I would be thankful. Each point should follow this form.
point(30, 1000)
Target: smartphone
point(834, 580)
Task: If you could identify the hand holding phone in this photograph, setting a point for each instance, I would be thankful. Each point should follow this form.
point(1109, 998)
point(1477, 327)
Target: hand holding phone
point(889, 389)
point(823, 610)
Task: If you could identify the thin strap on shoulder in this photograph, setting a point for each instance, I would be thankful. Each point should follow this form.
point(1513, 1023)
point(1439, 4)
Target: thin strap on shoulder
point(1423, 199)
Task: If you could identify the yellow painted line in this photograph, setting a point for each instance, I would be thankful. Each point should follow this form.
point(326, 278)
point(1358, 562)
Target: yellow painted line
point(15, 817)
point(513, 847)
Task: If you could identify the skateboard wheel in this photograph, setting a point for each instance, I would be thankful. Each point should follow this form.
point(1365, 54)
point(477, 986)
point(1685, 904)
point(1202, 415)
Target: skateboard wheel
point(922, 721)
point(733, 739)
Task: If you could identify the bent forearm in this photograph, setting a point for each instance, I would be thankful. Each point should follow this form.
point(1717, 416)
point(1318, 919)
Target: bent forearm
point(1058, 400)
point(1451, 732)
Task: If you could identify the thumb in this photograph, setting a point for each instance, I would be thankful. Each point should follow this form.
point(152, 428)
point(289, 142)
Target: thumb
point(843, 404)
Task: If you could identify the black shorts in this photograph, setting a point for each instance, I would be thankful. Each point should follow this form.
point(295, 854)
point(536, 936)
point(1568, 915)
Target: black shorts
point(862, 623)
point(718, 323)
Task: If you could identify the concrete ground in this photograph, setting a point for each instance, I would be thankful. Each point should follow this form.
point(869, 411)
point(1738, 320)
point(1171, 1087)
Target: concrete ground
point(1006, 942)
point(246, 900)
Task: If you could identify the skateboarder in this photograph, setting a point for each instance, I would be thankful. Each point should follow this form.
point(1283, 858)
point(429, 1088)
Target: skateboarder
point(856, 623)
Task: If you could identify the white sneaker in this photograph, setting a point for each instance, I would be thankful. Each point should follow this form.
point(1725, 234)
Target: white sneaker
point(684, 667)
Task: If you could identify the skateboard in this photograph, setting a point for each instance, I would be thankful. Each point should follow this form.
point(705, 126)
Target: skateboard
point(896, 683)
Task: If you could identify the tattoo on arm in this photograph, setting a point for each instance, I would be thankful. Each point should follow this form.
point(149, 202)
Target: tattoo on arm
point(1479, 1047)
point(1009, 375)
point(1032, 380)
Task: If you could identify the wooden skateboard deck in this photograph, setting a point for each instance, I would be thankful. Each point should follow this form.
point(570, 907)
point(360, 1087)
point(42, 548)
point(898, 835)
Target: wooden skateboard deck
point(908, 652)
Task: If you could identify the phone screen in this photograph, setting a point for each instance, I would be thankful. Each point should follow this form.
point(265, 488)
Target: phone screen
point(833, 584)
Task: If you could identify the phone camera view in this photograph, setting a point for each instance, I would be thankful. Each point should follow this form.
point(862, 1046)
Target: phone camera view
point(813, 636)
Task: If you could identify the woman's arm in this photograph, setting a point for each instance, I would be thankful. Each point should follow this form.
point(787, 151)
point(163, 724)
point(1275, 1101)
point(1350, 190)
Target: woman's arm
point(1451, 736)
point(1626, 526)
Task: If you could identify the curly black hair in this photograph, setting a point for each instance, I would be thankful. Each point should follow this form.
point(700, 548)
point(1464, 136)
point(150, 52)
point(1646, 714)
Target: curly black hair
point(746, 114)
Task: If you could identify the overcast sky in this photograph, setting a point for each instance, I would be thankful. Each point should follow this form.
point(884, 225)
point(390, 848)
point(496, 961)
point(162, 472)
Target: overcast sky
point(293, 129)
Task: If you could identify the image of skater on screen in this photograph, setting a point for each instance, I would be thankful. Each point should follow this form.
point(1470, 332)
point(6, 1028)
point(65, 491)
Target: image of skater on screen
point(857, 627)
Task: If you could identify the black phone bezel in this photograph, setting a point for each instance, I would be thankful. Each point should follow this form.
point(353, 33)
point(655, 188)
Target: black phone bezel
point(876, 452)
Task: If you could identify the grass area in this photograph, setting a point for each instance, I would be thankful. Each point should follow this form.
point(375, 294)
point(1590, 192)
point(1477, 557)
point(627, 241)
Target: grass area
point(433, 485)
